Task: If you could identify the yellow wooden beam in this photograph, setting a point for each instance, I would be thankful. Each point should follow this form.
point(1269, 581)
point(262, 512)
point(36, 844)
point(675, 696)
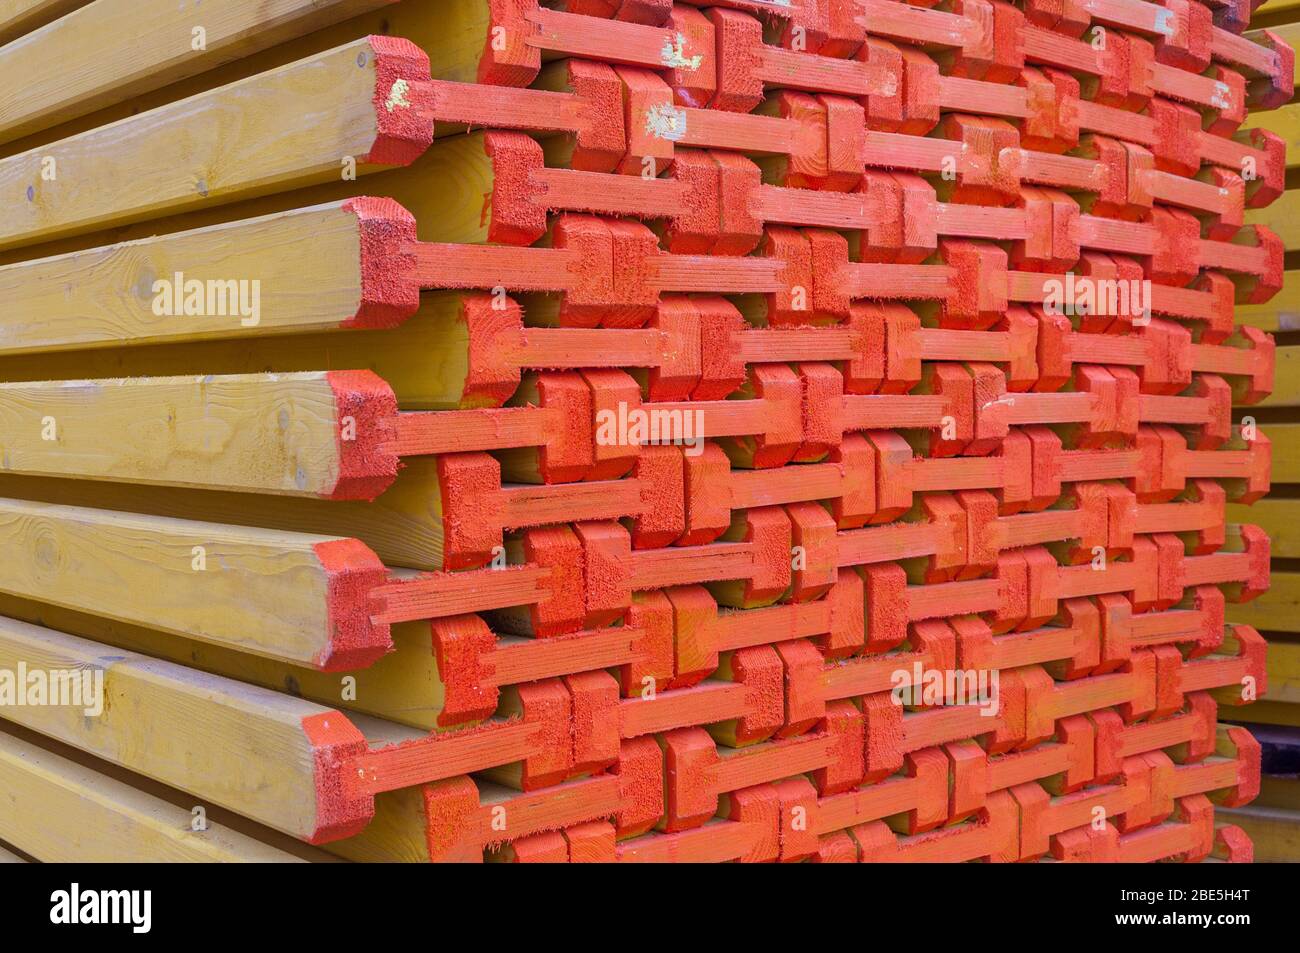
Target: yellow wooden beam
point(253, 751)
point(266, 433)
point(1275, 10)
point(1283, 217)
point(1283, 668)
point(1277, 610)
point(1286, 380)
point(426, 363)
point(308, 122)
point(403, 686)
point(403, 526)
point(22, 16)
point(1268, 713)
point(416, 20)
point(1285, 439)
point(1280, 313)
point(120, 294)
point(290, 597)
point(114, 49)
point(59, 811)
point(1279, 517)
point(1275, 833)
point(397, 835)
point(1285, 121)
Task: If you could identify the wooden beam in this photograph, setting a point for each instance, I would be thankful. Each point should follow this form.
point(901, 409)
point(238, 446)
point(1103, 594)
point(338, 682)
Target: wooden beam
point(22, 16)
point(398, 834)
point(427, 364)
point(59, 811)
point(1274, 832)
point(1285, 121)
point(295, 598)
point(1283, 217)
point(308, 122)
point(1268, 713)
point(1280, 791)
point(1280, 313)
point(270, 757)
point(403, 526)
point(1286, 451)
point(115, 49)
point(1286, 379)
point(403, 686)
point(1280, 519)
point(1283, 673)
point(1277, 610)
point(267, 433)
point(240, 279)
point(1274, 12)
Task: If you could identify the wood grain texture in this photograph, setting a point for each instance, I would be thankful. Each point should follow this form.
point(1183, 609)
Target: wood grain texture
point(21, 16)
point(1283, 217)
point(403, 526)
point(279, 130)
point(267, 433)
point(58, 811)
point(241, 747)
point(402, 687)
point(1277, 516)
point(257, 591)
point(426, 362)
point(1286, 451)
point(306, 262)
point(1284, 121)
point(1286, 379)
point(114, 49)
point(1281, 313)
point(1274, 832)
point(1277, 610)
point(397, 835)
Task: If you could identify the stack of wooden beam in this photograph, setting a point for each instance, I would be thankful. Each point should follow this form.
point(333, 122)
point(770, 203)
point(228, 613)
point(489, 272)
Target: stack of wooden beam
point(633, 430)
point(1273, 820)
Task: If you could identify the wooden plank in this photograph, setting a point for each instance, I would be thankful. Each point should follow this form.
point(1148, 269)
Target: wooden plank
point(1275, 833)
point(22, 16)
point(59, 811)
point(426, 363)
point(1281, 313)
point(1283, 673)
point(403, 686)
point(291, 127)
point(1268, 713)
point(118, 294)
point(1280, 14)
point(114, 49)
point(398, 834)
point(266, 433)
point(1279, 517)
point(253, 751)
point(1280, 791)
point(414, 20)
point(403, 526)
point(1277, 610)
point(1283, 217)
point(1285, 121)
point(1286, 451)
point(1286, 379)
point(295, 598)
